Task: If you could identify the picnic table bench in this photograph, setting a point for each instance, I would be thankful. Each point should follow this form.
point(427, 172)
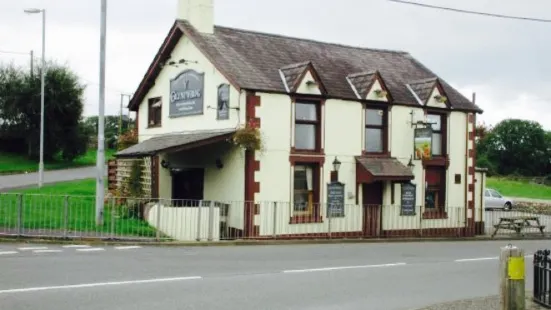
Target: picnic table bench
point(518, 224)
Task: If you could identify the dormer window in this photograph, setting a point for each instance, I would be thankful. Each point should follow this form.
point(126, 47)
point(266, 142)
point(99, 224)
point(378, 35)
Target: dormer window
point(438, 123)
point(375, 130)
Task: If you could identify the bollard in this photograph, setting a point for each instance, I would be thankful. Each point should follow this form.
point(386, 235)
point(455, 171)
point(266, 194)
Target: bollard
point(512, 274)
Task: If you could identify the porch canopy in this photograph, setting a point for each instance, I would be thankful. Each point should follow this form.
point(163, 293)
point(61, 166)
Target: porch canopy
point(369, 170)
point(175, 142)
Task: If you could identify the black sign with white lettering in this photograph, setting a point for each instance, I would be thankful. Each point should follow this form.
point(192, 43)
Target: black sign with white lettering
point(335, 199)
point(186, 94)
point(223, 102)
point(408, 199)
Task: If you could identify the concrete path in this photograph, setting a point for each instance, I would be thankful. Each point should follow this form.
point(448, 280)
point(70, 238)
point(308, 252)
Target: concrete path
point(393, 276)
point(52, 176)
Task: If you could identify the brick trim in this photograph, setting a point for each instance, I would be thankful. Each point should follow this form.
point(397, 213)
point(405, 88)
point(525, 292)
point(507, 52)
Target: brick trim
point(471, 188)
point(252, 186)
point(471, 170)
point(471, 153)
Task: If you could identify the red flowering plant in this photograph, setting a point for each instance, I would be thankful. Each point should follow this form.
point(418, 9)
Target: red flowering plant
point(248, 136)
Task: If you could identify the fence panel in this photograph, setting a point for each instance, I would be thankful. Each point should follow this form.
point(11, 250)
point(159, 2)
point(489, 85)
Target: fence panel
point(542, 278)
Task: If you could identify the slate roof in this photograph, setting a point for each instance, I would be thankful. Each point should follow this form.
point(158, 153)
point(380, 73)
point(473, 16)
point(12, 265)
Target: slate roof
point(292, 73)
point(173, 140)
point(385, 167)
point(362, 82)
point(252, 60)
point(423, 88)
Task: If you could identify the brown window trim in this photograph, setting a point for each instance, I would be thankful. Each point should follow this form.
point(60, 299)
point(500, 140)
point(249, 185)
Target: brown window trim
point(315, 216)
point(384, 127)
point(443, 131)
point(319, 123)
point(150, 115)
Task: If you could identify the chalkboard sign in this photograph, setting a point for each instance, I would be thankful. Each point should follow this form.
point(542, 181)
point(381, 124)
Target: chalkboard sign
point(335, 199)
point(223, 102)
point(408, 199)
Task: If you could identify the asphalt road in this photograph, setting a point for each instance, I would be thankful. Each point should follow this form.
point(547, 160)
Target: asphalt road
point(54, 176)
point(393, 276)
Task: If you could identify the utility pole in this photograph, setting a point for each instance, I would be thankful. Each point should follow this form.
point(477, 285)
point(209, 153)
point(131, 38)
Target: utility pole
point(121, 113)
point(100, 160)
point(42, 83)
point(32, 63)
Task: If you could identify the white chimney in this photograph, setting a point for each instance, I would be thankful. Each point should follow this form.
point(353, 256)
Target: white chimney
point(200, 13)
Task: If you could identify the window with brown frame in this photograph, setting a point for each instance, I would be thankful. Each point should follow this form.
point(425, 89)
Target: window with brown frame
point(375, 130)
point(435, 191)
point(306, 193)
point(307, 126)
point(439, 129)
point(155, 108)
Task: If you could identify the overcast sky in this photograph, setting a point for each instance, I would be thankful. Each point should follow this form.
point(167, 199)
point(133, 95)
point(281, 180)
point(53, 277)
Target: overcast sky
point(506, 62)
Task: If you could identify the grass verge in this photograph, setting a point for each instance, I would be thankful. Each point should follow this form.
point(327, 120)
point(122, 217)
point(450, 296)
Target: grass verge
point(519, 188)
point(67, 206)
point(15, 163)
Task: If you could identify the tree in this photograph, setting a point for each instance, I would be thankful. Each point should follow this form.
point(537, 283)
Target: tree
point(516, 146)
point(112, 128)
point(20, 110)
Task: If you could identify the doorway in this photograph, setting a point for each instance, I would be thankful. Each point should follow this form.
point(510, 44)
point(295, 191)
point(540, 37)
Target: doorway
point(372, 204)
point(187, 187)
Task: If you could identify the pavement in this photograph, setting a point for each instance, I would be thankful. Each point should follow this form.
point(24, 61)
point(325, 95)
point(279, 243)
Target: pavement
point(390, 276)
point(16, 181)
point(548, 201)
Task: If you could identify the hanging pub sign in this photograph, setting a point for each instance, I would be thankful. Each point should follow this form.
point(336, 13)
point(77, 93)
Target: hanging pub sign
point(222, 112)
point(186, 94)
point(408, 199)
point(422, 143)
point(335, 199)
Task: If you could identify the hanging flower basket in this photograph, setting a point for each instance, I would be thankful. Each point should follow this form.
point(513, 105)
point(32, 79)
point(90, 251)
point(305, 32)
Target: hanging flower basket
point(248, 137)
point(380, 93)
point(441, 99)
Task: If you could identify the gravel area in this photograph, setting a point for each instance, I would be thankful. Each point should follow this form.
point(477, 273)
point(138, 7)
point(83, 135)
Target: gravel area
point(484, 303)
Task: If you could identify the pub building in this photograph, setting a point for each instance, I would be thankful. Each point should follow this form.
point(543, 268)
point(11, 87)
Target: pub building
point(293, 137)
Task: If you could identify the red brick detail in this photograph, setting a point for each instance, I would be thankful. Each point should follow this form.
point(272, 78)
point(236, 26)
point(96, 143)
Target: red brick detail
point(471, 204)
point(471, 153)
point(252, 186)
point(479, 228)
point(335, 235)
point(471, 188)
point(471, 118)
point(256, 230)
point(471, 136)
point(471, 170)
point(429, 232)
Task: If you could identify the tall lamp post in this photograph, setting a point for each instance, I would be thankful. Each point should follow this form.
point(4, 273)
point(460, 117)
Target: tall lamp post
point(42, 82)
point(100, 159)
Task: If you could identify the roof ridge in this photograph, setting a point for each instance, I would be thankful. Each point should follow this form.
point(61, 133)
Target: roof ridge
point(312, 40)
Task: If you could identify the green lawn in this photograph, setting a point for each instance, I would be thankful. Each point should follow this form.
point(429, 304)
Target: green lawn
point(13, 163)
point(45, 209)
point(519, 188)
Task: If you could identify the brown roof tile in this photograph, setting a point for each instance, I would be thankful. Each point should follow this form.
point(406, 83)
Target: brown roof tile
point(252, 60)
point(385, 167)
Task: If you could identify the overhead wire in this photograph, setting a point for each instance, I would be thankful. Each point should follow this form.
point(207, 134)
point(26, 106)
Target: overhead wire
point(473, 12)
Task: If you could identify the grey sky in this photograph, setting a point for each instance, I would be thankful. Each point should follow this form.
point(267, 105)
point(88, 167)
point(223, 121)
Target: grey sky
point(505, 61)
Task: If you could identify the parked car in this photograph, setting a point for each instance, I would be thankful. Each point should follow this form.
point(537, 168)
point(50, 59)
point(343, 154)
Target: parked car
point(494, 200)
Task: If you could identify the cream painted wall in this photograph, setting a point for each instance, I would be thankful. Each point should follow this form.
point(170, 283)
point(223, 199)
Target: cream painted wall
point(303, 88)
point(480, 186)
point(226, 185)
point(457, 136)
point(213, 78)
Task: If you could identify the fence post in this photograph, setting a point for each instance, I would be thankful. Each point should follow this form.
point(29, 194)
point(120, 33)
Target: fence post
point(199, 208)
point(65, 217)
point(113, 219)
point(329, 217)
point(19, 215)
point(211, 220)
point(158, 230)
point(512, 270)
point(275, 220)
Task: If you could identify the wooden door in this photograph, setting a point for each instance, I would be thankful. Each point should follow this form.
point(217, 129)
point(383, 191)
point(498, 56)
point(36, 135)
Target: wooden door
point(372, 204)
point(187, 187)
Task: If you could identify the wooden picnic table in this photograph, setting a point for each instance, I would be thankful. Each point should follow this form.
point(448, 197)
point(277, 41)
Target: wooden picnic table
point(518, 224)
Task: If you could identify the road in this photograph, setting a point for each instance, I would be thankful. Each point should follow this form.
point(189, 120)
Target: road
point(392, 276)
point(53, 176)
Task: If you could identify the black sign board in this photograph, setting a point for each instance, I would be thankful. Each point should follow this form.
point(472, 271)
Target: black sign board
point(222, 112)
point(409, 192)
point(335, 199)
point(186, 94)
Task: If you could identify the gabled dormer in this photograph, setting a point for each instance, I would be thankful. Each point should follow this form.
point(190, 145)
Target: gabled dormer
point(430, 93)
point(369, 85)
point(302, 78)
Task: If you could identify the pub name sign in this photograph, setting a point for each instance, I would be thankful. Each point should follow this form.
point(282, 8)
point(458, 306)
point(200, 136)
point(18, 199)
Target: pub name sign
point(187, 94)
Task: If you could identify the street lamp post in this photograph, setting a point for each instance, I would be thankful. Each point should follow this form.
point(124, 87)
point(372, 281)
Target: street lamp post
point(42, 82)
point(100, 160)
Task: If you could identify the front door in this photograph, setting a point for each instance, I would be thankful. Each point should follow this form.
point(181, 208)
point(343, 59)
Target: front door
point(187, 187)
point(372, 204)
